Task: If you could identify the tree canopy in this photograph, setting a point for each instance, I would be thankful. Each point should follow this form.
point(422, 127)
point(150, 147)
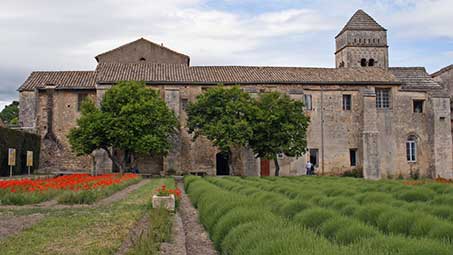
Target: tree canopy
point(223, 116)
point(131, 118)
point(10, 114)
point(279, 126)
point(269, 125)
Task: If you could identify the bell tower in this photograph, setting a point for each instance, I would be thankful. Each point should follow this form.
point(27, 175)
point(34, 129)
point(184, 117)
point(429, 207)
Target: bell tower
point(361, 43)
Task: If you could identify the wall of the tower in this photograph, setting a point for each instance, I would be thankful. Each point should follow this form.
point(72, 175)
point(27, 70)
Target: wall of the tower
point(352, 47)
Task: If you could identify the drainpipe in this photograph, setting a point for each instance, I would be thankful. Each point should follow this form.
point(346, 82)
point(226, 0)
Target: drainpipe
point(322, 130)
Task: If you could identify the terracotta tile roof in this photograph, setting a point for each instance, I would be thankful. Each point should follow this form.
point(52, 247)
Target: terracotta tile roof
point(181, 74)
point(361, 21)
point(414, 78)
point(61, 80)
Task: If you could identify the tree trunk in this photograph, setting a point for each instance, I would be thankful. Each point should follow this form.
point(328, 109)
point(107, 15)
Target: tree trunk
point(115, 160)
point(277, 167)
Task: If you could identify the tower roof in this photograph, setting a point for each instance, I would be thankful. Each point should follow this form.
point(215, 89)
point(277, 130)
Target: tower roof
point(362, 21)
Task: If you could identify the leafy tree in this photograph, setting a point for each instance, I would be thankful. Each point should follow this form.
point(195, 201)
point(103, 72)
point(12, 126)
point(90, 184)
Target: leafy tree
point(10, 114)
point(131, 118)
point(222, 115)
point(279, 126)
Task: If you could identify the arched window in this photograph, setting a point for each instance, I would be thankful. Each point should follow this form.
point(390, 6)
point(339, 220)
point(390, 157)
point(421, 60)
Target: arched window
point(341, 64)
point(142, 59)
point(371, 62)
point(411, 149)
point(363, 62)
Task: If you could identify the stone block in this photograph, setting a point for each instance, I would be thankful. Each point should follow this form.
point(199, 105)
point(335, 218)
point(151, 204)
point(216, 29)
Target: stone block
point(167, 202)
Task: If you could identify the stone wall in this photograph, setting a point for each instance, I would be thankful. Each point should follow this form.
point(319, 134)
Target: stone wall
point(56, 151)
point(352, 46)
point(142, 51)
point(27, 109)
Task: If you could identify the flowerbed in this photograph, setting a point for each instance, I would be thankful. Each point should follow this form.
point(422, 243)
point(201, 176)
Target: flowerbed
point(75, 188)
point(323, 215)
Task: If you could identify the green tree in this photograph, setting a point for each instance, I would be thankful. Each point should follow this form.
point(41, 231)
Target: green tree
point(222, 115)
point(10, 114)
point(279, 126)
point(131, 118)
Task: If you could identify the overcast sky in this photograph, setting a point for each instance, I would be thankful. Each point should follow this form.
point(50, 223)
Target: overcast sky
point(66, 35)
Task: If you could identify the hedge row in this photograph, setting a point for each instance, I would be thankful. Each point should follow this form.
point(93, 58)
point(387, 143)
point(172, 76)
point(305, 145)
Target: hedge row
point(22, 142)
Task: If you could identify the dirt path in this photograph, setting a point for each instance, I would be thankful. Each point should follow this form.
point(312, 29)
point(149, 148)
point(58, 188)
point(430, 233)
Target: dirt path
point(177, 244)
point(10, 225)
point(197, 239)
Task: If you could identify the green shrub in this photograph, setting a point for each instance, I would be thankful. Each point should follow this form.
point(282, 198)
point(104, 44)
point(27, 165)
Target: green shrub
point(235, 217)
point(370, 213)
point(374, 197)
point(330, 227)
point(443, 231)
point(293, 207)
point(443, 211)
point(416, 195)
point(353, 232)
point(314, 217)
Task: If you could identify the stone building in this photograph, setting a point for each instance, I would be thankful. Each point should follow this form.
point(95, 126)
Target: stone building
point(386, 121)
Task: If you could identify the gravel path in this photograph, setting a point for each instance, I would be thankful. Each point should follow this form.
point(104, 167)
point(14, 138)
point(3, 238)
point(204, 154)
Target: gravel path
point(197, 239)
point(177, 244)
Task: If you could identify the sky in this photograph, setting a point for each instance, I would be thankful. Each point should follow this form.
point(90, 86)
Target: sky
point(55, 35)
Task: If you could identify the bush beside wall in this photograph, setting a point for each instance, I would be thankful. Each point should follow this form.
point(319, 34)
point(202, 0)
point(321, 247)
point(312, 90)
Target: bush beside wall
point(22, 142)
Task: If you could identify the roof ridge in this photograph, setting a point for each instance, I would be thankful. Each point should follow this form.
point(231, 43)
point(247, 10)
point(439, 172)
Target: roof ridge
point(442, 70)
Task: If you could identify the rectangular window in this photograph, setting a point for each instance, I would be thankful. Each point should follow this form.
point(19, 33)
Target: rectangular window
point(353, 157)
point(308, 102)
point(411, 151)
point(418, 106)
point(383, 98)
point(80, 98)
point(184, 104)
point(347, 100)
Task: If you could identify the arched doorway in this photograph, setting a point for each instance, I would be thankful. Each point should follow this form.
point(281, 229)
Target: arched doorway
point(222, 164)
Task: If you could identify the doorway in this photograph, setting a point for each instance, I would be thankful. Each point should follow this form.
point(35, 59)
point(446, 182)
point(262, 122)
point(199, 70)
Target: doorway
point(314, 157)
point(222, 166)
point(265, 167)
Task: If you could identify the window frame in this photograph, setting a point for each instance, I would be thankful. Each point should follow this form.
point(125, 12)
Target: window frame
point(352, 152)
point(80, 98)
point(411, 149)
point(414, 102)
point(308, 107)
point(382, 102)
point(347, 106)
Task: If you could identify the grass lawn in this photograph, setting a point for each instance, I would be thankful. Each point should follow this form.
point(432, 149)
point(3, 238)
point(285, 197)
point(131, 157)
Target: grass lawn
point(98, 230)
point(324, 215)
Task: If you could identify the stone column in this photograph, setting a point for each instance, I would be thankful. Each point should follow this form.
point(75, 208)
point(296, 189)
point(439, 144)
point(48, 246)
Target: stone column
point(442, 149)
point(172, 162)
point(370, 135)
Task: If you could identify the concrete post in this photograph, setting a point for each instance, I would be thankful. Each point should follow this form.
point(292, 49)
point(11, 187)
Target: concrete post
point(172, 162)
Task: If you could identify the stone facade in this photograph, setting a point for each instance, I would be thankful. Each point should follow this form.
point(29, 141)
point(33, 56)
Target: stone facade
point(360, 135)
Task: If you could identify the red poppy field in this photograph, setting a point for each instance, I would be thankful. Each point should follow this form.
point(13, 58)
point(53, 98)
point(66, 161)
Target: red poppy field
point(68, 189)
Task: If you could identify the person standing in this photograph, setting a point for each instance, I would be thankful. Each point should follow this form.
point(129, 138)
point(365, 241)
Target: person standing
point(308, 166)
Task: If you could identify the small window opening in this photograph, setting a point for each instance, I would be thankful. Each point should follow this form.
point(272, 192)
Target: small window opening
point(341, 64)
point(184, 104)
point(80, 99)
point(371, 62)
point(355, 40)
point(363, 62)
point(383, 98)
point(347, 102)
point(418, 106)
point(411, 149)
point(308, 102)
point(360, 40)
point(374, 40)
point(353, 157)
point(142, 59)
